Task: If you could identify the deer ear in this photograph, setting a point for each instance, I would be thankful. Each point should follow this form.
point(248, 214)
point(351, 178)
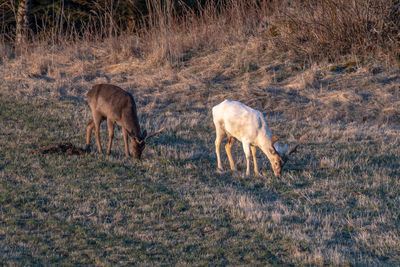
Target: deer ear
point(136, 139)
point(274, 139)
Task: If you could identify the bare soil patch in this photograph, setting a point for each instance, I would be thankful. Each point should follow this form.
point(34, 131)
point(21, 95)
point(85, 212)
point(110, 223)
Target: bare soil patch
point(64, 148)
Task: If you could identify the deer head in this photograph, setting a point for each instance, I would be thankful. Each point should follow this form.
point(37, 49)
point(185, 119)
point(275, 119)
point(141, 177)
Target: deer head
point(138, 145)
point(280, 155)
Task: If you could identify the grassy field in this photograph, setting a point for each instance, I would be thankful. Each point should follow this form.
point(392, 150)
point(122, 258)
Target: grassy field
point(337, 202)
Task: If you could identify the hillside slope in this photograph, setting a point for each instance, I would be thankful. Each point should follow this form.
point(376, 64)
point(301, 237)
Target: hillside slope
point(337, 201)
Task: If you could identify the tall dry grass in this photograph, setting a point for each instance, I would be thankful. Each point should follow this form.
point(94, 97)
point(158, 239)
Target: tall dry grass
point(318, 29)
point(174, 37)
point(172, 32)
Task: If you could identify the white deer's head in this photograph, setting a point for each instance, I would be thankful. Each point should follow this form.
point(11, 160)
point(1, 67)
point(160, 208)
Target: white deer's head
point(280, 155)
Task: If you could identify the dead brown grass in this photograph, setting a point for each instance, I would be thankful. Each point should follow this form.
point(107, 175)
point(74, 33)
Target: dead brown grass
point(306, 31)
point(319, 29)
point(243, 71)
point(335, 204)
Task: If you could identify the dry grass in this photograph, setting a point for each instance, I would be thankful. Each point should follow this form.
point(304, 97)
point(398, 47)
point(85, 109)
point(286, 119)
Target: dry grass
point(319, 29)
point(337, 202)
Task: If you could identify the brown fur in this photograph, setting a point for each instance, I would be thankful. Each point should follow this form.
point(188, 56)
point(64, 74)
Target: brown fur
point(112, 103)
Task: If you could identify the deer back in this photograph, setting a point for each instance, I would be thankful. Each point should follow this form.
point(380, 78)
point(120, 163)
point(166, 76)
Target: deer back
point(241, 121)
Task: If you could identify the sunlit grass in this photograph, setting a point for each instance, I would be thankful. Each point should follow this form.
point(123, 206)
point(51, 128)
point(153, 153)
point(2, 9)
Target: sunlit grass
point(336, 202)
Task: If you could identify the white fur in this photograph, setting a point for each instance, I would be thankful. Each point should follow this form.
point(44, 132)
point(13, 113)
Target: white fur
point(247, 125)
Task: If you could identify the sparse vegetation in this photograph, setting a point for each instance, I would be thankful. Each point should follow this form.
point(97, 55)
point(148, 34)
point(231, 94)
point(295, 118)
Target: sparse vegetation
point(336, 203)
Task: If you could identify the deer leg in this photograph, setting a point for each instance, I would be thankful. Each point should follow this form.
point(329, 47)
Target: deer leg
point(218, 141)
point(97, 118)
point(253, 151)
point(246, 148)
point(125, 132)
point(228, 152)
point(110, 126)
point(89, 129)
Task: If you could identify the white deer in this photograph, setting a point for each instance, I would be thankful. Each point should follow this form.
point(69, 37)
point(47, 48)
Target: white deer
point(236, 120)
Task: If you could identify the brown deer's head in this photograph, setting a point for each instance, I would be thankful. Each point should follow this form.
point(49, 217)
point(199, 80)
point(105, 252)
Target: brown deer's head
point(138, 145)
point(279, 155)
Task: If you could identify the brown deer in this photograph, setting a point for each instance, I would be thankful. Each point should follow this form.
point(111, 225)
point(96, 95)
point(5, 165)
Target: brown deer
point(110, 102)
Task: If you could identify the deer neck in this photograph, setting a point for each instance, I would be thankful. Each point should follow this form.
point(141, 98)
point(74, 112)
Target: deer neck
point(133, 127)
point(265, 144)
